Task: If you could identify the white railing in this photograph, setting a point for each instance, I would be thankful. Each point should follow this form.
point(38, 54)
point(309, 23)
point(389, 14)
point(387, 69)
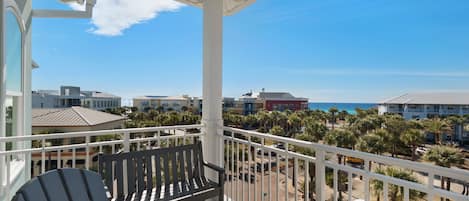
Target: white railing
point(79, 149)
point(255, 169)
point(284, 173)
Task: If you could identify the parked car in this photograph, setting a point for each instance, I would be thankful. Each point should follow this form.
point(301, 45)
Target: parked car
point(280, 145)
point(421, 150)
point(354, 160)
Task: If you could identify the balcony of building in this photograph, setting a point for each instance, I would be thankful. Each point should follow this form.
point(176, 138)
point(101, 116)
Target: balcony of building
point(258, 166)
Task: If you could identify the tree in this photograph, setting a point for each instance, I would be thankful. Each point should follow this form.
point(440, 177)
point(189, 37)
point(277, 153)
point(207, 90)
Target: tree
point(315, 130)
point(395, 193)
point(333, 118)
point(264, 119)
point(250, 121)
point(455, 122)
point(413, 138)
point(446, 157)
point(277, 130)
point(344, 139)
point(294, 124)
point(437, 126)
point(395, 125)
point(373, 143)
point(340, 138)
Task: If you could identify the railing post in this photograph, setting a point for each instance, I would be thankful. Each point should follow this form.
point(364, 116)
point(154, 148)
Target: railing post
point(320, 175)
point(126, 149)
point(126, 142)
point(87, 158)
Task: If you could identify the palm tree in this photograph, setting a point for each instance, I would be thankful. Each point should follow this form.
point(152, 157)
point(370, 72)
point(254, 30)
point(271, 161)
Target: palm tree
point(264, 119)
point(333, 118)
point(344, 139)
point(437, 126)
point(277, 130)
point(413, 138)
point(340, 138)
point(342, 115)
point(395, 125)
point(294, 124)
point(251, 121)
point(315, 130)
point(446, 157)
point(373, 143)
point(395, 192)
point(455, 122)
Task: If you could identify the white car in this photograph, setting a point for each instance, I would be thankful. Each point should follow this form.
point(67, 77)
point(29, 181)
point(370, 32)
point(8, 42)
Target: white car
point(421, 150)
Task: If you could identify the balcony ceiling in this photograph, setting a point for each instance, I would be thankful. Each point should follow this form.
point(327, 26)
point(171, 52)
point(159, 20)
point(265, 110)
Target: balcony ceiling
point(230, 6)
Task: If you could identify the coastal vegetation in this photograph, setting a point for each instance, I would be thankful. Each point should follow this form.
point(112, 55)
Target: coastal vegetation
point(365, 130)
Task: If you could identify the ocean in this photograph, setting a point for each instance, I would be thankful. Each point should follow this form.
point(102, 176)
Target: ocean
point(349, 107)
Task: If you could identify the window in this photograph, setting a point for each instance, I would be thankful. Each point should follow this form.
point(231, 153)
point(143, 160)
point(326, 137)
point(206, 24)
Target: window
point(13, 104)
point(14, 71)
point(13, 54)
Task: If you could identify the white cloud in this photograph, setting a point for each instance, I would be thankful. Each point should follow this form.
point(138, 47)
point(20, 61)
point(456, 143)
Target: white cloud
point(112, 17)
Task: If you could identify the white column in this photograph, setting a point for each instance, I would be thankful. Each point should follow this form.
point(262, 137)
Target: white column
point(2, 85)
point(212, 83)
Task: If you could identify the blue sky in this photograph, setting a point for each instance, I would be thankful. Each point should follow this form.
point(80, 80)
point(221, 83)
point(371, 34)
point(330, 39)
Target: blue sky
point(335, 50)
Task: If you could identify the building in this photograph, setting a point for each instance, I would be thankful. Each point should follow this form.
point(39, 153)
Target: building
point(282, 101)
point(69, 96)
point(428, 105)
point(73, 119)
point(165, 103)
point(67, 120)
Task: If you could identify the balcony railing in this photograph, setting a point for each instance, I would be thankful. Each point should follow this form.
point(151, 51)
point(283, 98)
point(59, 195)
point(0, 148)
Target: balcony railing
point(80, 149)
point(285, 172)
point(258, 166)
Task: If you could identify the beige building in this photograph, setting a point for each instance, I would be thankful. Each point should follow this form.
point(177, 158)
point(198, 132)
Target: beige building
point(73, 119)
point(65, 120)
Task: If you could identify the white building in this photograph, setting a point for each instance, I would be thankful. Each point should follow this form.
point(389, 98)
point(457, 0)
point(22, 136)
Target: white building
point(426, 105)
point(176, 103)
point(69, 96)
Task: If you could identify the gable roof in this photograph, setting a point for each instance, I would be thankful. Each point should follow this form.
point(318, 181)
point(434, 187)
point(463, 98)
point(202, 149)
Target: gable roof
point(74, 116)
point(434, 98)
point(279, 96)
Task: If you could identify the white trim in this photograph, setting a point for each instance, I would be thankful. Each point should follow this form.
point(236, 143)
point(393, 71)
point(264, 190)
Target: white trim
point(88, 13)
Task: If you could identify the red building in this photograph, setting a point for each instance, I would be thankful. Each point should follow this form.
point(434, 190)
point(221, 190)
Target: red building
point(282, 101)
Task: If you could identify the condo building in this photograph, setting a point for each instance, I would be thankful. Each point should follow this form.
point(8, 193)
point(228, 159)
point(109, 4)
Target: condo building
point(70, 96)
point(246, 104)
point(426, 105)
point(429, 105)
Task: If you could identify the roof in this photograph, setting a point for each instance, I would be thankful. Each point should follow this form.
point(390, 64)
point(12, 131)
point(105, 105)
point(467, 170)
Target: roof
point(98, 94)
point(74, 116)
point(170, 98)
point(230, 6)
point(434, 98)
point(279, 96)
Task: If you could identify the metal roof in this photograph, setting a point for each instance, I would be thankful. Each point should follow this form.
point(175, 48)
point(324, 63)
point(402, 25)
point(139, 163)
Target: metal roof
point(74, 116)
point(167, 98)
point(433, 98)
point(279, 96)
point(230, 6)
